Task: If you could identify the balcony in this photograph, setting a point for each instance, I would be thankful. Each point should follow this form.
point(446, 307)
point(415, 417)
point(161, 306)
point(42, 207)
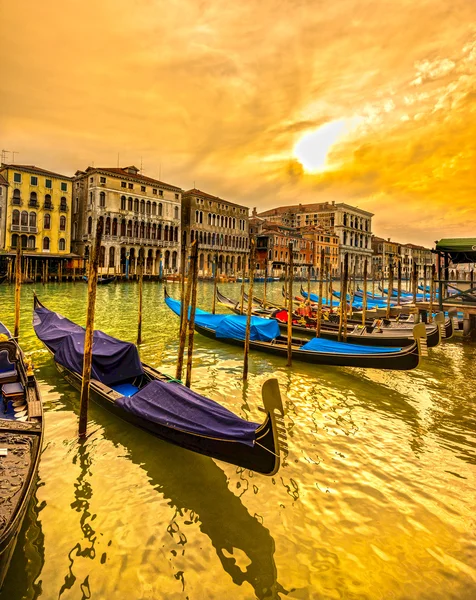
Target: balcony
point(17, 201)
point(33, 204)
point(63, 208)
point(23, 229)
point(48, 206)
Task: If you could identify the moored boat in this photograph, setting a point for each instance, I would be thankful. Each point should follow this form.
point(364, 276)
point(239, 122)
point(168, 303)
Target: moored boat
point(21, 438)
point(102, 279)
point(155, 402)
point(265, 336)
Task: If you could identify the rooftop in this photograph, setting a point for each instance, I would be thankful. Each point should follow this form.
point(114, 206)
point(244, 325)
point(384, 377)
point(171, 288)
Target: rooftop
point(128, 173)
point(33, 169)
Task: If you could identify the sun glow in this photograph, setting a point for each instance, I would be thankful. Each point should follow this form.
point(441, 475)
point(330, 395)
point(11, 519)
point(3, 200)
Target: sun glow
point(314, 146)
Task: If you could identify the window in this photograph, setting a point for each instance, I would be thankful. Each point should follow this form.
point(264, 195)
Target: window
point(48, 184)
point(33, 180)
point(136, 205)
point(17, 177)
point(131, 186)
point(176, 196)
point(76, 205)
point(24, 219)
point(123, 184)
point(31, 242)
point(63, 205)
point(14, 240)
point(16, 217)
point(102, 199)
point(62, 223)
point(161, 192)
point(64, 186)
point(176, 212)
point(142, 188)
point(48, 202)
point(62, 244)
point(123, 203)
point(46, 243)
point(90, 224)
point(91, 179)
point(129, 203)
point(102, 180)
point(160, 209)
point(47, 221)
point(154, 191)
point(32, 219)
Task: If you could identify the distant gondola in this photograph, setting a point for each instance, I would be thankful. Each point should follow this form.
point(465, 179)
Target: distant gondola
point(21, 437)
point(103, 279)
point(356, 334)
point(265, 336)
point(161, 405)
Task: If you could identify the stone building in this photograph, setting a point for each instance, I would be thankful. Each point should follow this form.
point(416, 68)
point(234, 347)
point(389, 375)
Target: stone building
point(3, 210)
point(140, 214)
point(352, 225)
point(221, 228)
point(36, 208)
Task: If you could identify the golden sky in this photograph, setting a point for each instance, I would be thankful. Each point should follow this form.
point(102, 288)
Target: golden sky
point(262, 102)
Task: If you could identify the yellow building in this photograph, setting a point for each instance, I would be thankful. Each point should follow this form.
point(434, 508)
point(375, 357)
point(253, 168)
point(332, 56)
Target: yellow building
point(37, 211)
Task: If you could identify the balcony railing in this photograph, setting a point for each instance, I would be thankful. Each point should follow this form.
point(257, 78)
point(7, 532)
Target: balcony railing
point(63, 208)
point(17, 201)
point(24, 228)
point(48, 206)
point(33, 204)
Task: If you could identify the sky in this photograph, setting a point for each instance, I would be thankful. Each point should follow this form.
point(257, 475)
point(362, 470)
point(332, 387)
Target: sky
point(261, 102)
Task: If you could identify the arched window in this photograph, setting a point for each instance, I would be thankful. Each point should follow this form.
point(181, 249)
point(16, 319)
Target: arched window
point(147, 231)
point(102, 256)
point(142, 207)
point(129, 229)
point(90, 225)
point(48, 202)
point(62, 244)
point(47, 221)
point(160, 209)
point(107, 229)
point(33, 219)
point(123, 227)
point(102, 199)
point(129, 203)
point(33, 199)
point(32, 242)
point(123, 203)
point(15, 218)
point(147, 208)
point(24, 218)
point(159, 232)
point(192, 236)
point(62, 223)
point(24, 241)
point(114, 227)
point(154, 208)
point(14, 240)
point(154, 231)
point(112, 256)
point(16, 198)
point(176, 212)
point(166, 232)
point(142, 230)
point(63, 204)
point(136, 229)
point(46, 243)
point(75, 230)
point(176, 234)
point(136, 205)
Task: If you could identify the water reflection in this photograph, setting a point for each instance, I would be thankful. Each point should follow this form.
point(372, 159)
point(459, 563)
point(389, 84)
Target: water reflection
point(23, 577)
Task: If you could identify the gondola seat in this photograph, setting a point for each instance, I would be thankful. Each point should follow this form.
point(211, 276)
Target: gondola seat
point(125, 389)
point(8, 373)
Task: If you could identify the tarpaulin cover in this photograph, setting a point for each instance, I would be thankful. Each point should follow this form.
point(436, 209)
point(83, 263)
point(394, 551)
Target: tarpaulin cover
point(113, 359)
point(322, 345)
point(4, 330)
point(176, 406)
point(232, 326)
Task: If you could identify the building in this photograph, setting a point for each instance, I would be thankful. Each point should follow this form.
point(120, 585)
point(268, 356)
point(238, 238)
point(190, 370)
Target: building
point(221, 228)
point(3, 210)
point(323, 239)
point(352, 225)
point(141, 215)
point(386, 253)
point(36, 214)
point(420, 257)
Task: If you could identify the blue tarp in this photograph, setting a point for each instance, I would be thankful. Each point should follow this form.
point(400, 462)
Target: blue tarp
point(322, 345)
point(113, 359)
point(232, 326)
point(176, 406)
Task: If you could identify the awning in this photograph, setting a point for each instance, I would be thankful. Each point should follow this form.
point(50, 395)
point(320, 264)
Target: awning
point(461, 250)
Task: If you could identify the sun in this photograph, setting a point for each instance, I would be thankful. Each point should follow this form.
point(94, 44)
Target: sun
point(313, 147)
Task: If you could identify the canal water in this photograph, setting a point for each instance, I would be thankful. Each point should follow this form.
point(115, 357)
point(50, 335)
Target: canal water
point(376, 498)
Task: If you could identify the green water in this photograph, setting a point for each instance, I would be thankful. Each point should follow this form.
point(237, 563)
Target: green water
point(376, 498)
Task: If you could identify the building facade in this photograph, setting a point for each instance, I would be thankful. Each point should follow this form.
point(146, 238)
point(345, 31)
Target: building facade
point(352, 225)
point(221, 229)
point(323, 240)
point(410, 256)
point(141, 216)
point(37, 211)
point(3, 210)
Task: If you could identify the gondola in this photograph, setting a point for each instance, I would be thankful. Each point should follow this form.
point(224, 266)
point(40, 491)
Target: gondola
point(103, 279)
point(21, 438)
point(155, 402)
point(265, 336)
point(370, 335)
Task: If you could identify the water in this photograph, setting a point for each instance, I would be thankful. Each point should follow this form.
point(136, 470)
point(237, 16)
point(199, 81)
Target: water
point(376, 498)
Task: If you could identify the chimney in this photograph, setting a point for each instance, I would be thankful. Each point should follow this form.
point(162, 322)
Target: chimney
point(388, 239)
point(254, 212)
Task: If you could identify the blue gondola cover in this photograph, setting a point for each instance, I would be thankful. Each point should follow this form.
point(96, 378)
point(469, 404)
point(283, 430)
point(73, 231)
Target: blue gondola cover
point(176, 406)
point(323, 345)
point(113, 359)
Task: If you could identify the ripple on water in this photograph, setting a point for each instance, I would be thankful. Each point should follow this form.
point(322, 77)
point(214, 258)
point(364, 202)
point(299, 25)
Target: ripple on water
point(374, 500)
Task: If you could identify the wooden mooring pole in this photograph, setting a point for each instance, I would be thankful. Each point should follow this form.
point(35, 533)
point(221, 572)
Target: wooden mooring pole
point(184, 321)
point(88, 336)
point(344, 295)
point(249, 309)
point(215, 279)
point(141, 285)
point(290, 305)
point(16, 330)
point(242, 291)
point(191, 322)
point(432, 293)
point(183, 265)
point(364, 298)
point(399, 281)
point(319, 303)
point(390, 288)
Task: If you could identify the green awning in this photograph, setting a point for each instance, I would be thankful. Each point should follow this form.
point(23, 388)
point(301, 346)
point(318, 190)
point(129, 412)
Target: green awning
point(461, 250)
